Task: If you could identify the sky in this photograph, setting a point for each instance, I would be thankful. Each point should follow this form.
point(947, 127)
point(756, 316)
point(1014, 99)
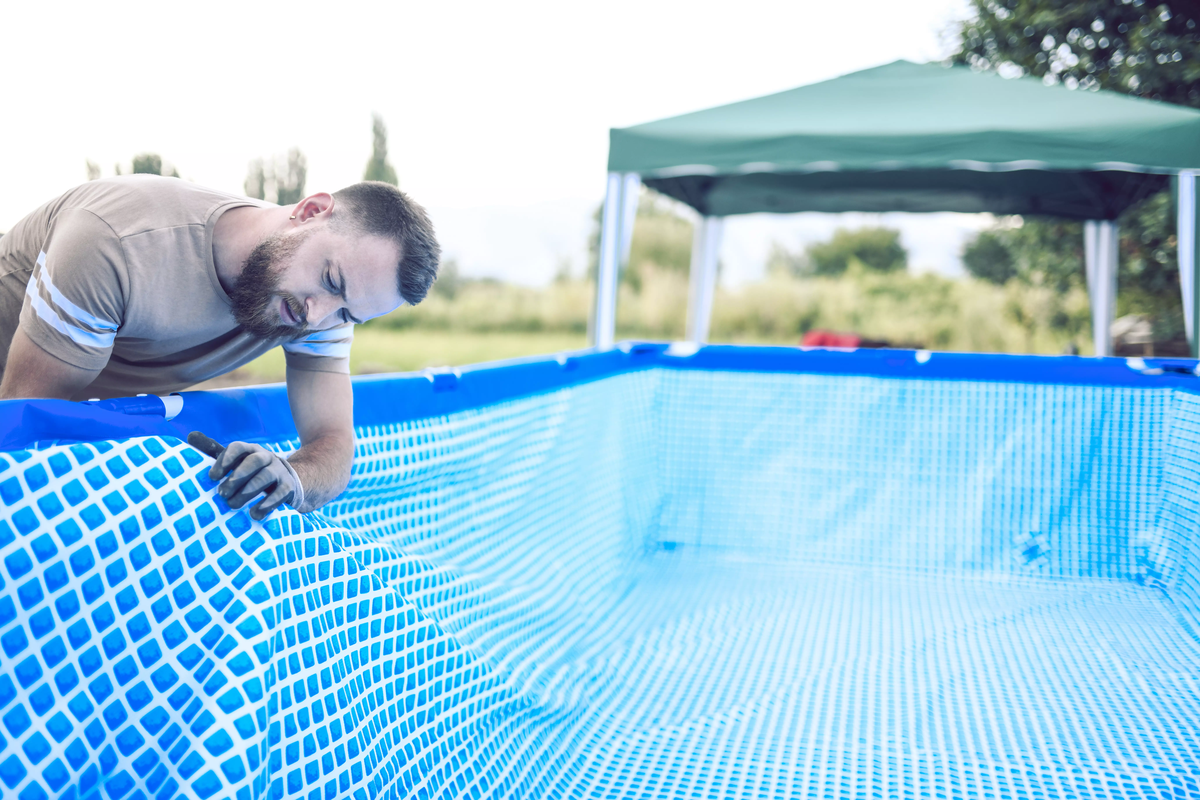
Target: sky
point(498, 113)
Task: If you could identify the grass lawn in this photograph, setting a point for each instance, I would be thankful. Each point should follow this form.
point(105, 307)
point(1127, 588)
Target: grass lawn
point(380, 349)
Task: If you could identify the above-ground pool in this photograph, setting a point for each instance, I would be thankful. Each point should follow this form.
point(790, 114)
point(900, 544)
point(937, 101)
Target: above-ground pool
point(731, 572)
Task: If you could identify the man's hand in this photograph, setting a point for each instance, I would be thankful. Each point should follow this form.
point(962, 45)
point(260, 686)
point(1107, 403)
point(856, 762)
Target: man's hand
point(252, 470)
point(321, 405)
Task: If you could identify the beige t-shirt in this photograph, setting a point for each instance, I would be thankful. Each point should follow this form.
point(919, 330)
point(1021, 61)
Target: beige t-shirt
point(118, 275)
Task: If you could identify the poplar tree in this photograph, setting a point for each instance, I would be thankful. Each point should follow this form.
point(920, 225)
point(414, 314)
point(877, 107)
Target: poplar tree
point(379, 168)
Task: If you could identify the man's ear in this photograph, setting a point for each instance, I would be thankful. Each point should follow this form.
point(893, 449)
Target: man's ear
point(315, 206)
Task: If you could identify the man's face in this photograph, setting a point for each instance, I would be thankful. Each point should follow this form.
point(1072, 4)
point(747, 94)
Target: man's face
point(315, 278)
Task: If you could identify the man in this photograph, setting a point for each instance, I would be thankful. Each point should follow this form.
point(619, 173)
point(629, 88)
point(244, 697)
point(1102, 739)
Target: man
point(151, 284)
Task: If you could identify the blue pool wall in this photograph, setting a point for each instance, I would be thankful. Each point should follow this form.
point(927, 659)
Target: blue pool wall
point(489, 554)
point(504, 509)
point(1051, 466)
point(963, 476)
point(1169, 556)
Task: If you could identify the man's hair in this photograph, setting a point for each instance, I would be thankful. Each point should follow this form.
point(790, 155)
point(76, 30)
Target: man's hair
point(379, 209)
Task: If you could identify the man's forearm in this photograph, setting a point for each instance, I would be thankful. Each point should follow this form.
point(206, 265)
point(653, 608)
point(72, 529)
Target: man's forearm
point(324, 468)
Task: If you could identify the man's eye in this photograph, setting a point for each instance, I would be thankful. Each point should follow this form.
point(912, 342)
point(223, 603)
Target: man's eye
point(345, 315)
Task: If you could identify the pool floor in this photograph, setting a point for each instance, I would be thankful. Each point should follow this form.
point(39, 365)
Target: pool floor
point(713, 678)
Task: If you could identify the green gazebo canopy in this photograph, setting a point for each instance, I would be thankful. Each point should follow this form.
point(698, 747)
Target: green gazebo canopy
point(916, 137)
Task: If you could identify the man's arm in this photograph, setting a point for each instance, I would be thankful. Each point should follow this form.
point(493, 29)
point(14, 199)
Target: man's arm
point(32, 372)
point(323, 409)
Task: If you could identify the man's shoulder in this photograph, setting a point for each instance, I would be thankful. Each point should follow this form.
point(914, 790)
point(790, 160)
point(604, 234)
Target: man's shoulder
point(132, 205)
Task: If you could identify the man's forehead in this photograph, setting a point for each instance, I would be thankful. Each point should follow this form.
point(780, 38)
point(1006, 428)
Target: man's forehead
point(368, 269)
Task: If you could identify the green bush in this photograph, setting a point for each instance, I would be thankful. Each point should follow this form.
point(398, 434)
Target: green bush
point(927, 311)
point(907, 310)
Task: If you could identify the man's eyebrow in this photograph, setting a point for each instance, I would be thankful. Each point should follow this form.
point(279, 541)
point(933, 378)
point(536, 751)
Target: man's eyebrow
point(342, 294)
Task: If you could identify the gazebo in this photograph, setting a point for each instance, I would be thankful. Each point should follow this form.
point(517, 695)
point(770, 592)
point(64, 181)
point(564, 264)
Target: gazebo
point(909, 137)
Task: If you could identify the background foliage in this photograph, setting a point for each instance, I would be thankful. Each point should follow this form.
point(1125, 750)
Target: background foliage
point(279, 180)
point(1142, 49)
point(1024, 289)
point(151, 164)
point(899, 307)
point(378, 167)
point(876, 249)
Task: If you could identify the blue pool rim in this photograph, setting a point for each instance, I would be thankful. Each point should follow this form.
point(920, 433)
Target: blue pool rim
point(261, 413)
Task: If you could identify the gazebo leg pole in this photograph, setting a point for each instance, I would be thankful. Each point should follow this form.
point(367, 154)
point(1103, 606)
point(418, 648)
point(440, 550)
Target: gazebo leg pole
point(630, 185)
point(706, 247)
point(1100, 240)
point(616, 236)
point(1185, 234)
point(604, 321)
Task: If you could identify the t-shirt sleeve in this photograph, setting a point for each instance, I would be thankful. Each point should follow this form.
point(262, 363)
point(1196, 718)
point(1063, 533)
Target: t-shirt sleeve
point(322, 351)
point(75, 299)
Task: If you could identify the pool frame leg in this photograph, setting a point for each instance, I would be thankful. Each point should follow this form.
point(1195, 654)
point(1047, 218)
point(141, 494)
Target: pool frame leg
point(706, 251)
point(616, 237)
point(1100, 249)
point(1185, 233)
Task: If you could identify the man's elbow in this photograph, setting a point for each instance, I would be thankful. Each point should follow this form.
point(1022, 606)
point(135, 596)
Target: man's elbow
point(345, 445)
point(30, 372)
point(18, 390)
point(346, 462)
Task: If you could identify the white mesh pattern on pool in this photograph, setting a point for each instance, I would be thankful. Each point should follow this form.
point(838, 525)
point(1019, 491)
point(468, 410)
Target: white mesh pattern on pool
point(667, 583)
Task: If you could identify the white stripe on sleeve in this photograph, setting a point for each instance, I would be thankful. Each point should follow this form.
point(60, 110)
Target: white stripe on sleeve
point(66, 305)
point(47, 314)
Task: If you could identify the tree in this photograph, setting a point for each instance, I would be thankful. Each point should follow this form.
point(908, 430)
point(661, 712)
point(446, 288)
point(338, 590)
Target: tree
point(1149, 273)
point(662, 240)
point(147, 163)
point(1121, 45)
point(93, 169)
point(378, 168)
point(449, 279)
point(255, 184)
point(1036, 253)
point(989, 258)
point(152, 164)
point(1126, 46)
point(877, 249)
point(781, 261)
point(280, 180)
point(290, 177)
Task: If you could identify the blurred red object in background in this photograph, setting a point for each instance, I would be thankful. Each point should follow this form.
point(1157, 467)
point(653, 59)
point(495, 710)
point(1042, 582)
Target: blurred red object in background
point(821, 338)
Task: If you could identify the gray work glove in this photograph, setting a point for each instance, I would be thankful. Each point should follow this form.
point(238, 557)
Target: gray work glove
point(250, 470)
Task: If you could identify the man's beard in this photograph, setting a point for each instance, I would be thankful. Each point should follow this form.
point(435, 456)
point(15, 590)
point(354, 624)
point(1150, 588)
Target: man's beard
point(254, 295)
